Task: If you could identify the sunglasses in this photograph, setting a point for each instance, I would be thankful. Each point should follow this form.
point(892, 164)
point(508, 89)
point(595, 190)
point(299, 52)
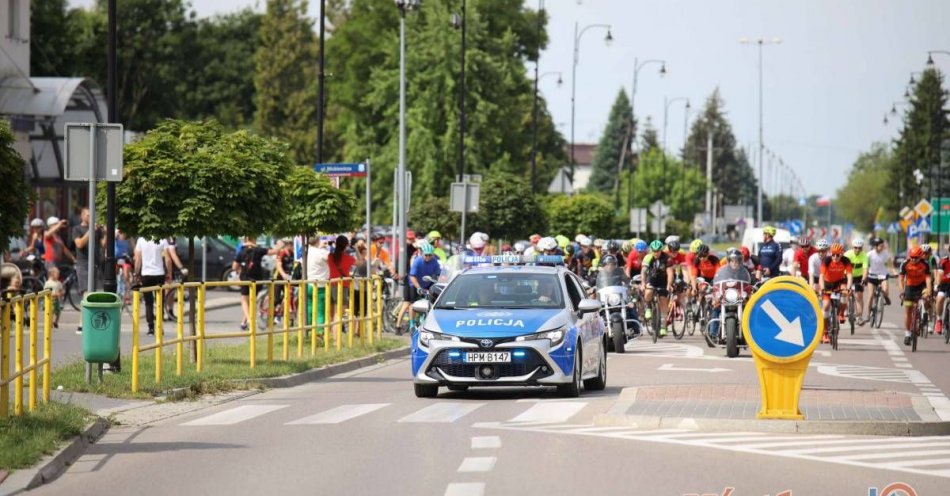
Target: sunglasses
point(835, 255)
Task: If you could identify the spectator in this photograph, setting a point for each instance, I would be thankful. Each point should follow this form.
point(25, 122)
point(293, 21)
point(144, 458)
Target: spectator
point(54, 285)
point(55, 251)
point(34, 241)
point(341, 266)
point(317, 271)
point(153, 264)
point(360, 271)
point(250, 262)
point(380, 255)
point(409, 294)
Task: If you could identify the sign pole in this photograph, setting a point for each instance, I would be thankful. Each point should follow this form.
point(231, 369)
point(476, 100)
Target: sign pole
point(369, 224)
point(464, 210)
point(91, 244)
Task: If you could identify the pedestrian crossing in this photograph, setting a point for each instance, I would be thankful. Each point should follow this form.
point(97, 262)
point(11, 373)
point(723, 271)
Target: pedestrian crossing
point(902, 376)
point(918, 455)
point(644, 346)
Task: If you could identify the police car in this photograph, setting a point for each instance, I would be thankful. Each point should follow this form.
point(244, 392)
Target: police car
point(510, 321)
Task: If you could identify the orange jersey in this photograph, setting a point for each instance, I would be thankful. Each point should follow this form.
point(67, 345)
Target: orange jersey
point(835, 270)
point(705, 267)
point(915, 272)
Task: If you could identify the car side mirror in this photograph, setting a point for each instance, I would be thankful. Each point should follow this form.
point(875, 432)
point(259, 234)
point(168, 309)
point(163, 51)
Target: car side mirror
point(435, 290)
point(588, 305)
point(420, 306)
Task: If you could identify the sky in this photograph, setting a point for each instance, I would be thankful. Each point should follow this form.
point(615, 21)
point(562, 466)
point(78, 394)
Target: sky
point(840, 66)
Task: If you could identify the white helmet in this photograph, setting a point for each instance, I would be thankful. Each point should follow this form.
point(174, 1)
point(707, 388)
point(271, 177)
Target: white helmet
point(822, 244)
point(36, 223)
point(52, 221)
point(478, 240)
point(672, 238)
point(583, 240)
point(547, 243)
point(857, 243)
point(520, 247)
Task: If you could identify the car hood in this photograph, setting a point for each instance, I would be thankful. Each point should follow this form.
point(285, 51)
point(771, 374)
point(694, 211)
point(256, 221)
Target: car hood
point(481, 322)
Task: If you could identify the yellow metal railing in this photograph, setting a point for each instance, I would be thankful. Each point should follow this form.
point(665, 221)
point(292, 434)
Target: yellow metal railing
point(368, 324)
point(17, 306)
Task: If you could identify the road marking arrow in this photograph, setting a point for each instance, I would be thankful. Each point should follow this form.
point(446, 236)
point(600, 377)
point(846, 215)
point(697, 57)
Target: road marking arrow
point(790, 332)
point(669, 366)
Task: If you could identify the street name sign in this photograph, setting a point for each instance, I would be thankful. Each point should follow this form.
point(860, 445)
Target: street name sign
point(341, 170)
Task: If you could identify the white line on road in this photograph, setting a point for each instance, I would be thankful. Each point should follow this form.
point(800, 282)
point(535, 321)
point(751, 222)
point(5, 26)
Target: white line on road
point(236, 415)
point(555, 411)
point(477, 464)
point(881, 447)
point(486, 442)
point(890, 455)
point(442, 412)
point(339, 414)
point(465, 489)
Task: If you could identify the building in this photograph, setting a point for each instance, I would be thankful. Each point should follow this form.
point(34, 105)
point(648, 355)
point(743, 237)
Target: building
point(37, 109)
point(583, 158)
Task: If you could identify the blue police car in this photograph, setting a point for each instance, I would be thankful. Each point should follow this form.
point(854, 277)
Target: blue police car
point(504, 324)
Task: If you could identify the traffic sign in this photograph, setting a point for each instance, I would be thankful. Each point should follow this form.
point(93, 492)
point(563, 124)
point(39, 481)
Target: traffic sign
point(341, 170)
point(638, 220)
point(108, 141)
point(893, 228)
point(906, 213)
point(659, 209)
point(923, 208)
point(923, 225)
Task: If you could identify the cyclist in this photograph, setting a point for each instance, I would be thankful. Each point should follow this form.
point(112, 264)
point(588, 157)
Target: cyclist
point(426, 265)
point(943, 288)
point(836, 275)
point(788, 258)
point(859, 264)
point(877, 269)
point(657, 276)
point(478, 245)
point(814, 262)
point(584, 257)
point(704, 265)
point(380, 255)
point(913, 280)
point(532, 249)
point(933, 261)
point(680, 268)
point(802, 254)
point(770, 254)
point(435, 239)
point(635, 259)
point(751, 263)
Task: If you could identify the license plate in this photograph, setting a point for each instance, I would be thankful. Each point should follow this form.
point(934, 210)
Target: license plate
point(488, 357)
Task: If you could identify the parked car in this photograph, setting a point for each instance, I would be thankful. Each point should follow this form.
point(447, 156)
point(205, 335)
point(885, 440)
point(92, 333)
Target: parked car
point(219, 258)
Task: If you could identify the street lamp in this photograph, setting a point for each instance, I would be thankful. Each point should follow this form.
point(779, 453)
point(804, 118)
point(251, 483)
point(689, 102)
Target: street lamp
point(458, 22)
point(577, 41)
point(534, 121)
point(633, 95)
point(401, 189)
point(930, 59)
point(760, 42)
point(666, 111)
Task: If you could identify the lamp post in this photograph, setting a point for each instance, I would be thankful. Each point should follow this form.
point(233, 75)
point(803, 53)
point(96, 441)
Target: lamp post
point(637, 65)
point(666, 111)
point(458, 21)
point(685, 125)
point(577, 40)
point(534, 122)
point(401, 193)
point(930, 59)
point(760, 42)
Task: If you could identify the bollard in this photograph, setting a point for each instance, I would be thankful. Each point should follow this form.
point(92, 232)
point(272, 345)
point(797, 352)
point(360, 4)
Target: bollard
point(4, 359)
point(288, 288)
point(379, 309)
point(47, 343)
point(180, 331)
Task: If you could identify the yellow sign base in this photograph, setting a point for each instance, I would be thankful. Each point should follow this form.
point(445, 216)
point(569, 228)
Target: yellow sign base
point(781, 386)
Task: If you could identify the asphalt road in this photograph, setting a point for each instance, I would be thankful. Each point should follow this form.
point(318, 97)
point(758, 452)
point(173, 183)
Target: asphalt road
point(366, 433)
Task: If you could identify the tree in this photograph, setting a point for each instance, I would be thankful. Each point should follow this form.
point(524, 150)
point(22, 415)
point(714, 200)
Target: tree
point(868, 178)
point(507, 210)
point(686, 191)
point(731, 173)
point(433, 214)
point(649, 141)
point(613, 147)
point(53, 33)
point(286, 62)
point(313, 204)
point(14, 202)
point(585, 213)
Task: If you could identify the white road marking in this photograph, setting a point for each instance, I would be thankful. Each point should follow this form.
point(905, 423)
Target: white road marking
point(235, 415)
point(465, 489)
point(477, 464)
point(442, 412)
point(876, 447)
point(486, 442)
point(889, 456)
point(904, 365)
point(339, 414)
point(553, 412)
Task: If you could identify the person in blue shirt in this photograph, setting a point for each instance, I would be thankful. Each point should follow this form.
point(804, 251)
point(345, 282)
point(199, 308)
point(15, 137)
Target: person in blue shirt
point(422, 266)
point(770, 254)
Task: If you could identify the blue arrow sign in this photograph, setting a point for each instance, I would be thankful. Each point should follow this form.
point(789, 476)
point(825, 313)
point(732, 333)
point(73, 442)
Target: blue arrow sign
point(341, 170)
point(783, 323)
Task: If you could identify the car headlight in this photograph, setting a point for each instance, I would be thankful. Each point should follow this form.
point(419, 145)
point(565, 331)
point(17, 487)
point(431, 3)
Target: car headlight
point(731, 296)
point(613, 299)
point(555, 337)
point(425, 336)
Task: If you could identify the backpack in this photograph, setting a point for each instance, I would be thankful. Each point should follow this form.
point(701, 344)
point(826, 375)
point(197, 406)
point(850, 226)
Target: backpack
point(253, 263)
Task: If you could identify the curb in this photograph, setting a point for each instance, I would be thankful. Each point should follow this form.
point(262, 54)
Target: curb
point(616, 416)
point(326, 371)
point(53, 466)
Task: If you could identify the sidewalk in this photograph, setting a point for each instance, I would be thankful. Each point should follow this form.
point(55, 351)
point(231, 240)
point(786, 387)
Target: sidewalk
point(734, 406)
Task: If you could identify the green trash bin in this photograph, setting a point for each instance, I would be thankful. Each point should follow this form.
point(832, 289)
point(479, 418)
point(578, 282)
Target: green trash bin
point(101, 323)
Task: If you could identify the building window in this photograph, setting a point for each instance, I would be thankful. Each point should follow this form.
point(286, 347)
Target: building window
point(13, 30)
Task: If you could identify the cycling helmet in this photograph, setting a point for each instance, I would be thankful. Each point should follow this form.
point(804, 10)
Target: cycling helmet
point(803, 241)
point(599, 242)
point(927, 248)
point(520, 247)
point(640, 246)
point(656, 245)
point(734, 254)
point(52, 221)
point(822, 244)
point(694, 245)
point(612, 246)
point(582, 240)
point(857, 243)
point(674, 246)
point(571, 248)
point(702, 250)
point(671, 238)
point(609, 259)
point(433, 235)
point(745, 252)
point(562, 240)
point(426, 248)
point(876, 241)
point(547, 243)
point(626, 247)
point(915, 252)
point(768, 230)
point(837, 249)
point(476, 240)
point(36, 223)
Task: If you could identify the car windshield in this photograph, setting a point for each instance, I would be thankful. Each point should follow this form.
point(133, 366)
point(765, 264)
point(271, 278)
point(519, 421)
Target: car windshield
point(521, 290)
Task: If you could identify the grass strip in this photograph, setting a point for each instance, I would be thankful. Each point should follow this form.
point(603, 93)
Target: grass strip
point(24, 440)
point(222, 364)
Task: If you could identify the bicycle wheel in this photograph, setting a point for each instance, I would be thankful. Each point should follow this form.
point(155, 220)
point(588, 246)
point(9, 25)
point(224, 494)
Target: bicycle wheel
point(924, 322)
point(851, 316)
point(74, 294)
point(655, 320)
point(677, 321)
point(833, 332)
point(690, 321)
point(262, 309)
point(879, 309)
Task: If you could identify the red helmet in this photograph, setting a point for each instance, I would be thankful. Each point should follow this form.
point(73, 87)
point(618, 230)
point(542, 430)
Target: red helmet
point(915, 252)
point(837, 249)
point(745, 253)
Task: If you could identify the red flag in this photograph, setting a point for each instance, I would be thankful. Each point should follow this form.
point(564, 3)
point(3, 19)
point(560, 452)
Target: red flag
point(823, 201)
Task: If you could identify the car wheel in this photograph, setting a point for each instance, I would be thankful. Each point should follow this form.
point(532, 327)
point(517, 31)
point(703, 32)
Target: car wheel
point(573, 390)
point(426, 390)
point(458, 387)
point(600, 382)
point(230, 274)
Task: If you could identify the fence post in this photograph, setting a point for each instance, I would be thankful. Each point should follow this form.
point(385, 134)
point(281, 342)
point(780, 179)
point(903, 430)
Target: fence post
point(159, 333)
point(314, 314)
point(47, 343)
point(270, 322)
point(135, 341)
point(327, 305)
point(351, 322)
point(366, 321)
point(301, 315)
point(18, 359)
point(338, 315)
point(4, 359)
point(288, 288)
point(379, 309)
point(200, 345)
point(252, 322)
point(180, 331)
point(34, 314)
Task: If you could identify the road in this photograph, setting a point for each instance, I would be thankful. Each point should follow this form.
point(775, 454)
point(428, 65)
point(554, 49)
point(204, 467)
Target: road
point(365, 433)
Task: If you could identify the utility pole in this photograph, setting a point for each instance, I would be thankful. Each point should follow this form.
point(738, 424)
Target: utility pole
point(109, 283)
point(321, 80)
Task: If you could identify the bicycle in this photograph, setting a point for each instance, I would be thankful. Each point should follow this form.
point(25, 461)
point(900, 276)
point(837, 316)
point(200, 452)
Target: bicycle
point(675, 313)
point(833, 324)
point(170, 297)
point(917, 322)
point(71, 286)
point(263, 305)
point(876, 310)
